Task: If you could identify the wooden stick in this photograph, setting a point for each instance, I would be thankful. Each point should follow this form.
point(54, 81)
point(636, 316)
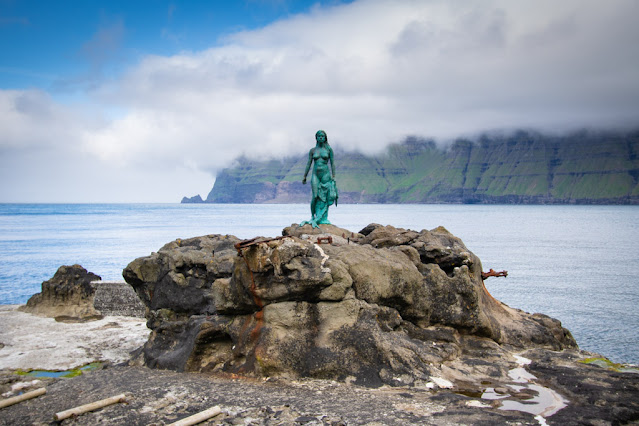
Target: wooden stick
point(15, 399)
point(199, 417)
point(89, 407)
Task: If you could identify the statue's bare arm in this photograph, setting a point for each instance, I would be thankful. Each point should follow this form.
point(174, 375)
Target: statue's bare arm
point(308, 164)
point(330, 156)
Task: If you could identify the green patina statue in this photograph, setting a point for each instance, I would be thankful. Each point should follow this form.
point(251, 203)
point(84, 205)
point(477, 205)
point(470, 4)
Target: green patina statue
point(322, 180)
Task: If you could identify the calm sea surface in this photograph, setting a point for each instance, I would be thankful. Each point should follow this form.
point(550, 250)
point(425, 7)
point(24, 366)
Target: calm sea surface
point(575, 263)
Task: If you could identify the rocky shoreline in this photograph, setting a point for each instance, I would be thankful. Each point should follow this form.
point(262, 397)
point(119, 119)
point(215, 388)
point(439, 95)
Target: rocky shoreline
point(384, 326)
point(593, 395)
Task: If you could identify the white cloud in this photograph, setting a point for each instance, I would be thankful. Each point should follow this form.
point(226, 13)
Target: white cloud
point(369, 73)
point(31, 118)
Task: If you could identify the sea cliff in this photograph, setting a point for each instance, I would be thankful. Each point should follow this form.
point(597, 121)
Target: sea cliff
point(525, 167)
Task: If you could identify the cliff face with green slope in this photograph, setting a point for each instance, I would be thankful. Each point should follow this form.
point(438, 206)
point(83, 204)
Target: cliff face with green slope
point(526, 167)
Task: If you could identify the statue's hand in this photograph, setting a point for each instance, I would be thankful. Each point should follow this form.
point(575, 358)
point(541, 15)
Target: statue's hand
point(304, 181)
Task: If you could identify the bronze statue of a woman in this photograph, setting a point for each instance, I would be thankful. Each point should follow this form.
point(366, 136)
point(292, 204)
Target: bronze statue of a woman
point(322, 180)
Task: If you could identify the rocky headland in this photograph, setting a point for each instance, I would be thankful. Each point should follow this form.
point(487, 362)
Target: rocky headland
point(525, 167)
point(329, 326)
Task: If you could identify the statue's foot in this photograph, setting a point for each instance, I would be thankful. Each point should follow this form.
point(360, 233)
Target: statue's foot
point(310, 222)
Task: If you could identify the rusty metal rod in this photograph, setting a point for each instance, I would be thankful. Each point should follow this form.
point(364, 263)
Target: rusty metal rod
point(325, 240)
point(254, 241)
point(493, 273)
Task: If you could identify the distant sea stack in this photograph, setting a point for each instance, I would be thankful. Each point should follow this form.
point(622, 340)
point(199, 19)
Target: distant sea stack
point(192, 200)
point(525, 167)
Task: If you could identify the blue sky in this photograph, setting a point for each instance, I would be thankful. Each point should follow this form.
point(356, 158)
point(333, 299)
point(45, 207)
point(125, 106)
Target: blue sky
point(145, 101)
point(54, 44)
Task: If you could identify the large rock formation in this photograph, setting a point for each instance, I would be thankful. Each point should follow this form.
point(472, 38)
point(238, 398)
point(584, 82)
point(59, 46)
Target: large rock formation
point(384, 305)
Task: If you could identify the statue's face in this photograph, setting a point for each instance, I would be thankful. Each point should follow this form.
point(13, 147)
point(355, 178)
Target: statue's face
point(320, 137)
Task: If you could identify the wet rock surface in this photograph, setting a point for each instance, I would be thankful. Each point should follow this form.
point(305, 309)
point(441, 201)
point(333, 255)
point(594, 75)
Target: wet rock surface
point(610, 394)
point(162, 397)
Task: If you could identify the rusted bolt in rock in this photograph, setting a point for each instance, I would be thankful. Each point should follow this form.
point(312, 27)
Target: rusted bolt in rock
point(325, 240)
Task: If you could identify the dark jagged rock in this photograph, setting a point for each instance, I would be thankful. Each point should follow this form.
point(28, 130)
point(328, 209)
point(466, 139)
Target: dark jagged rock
point(75, 294)
point(68, 294)
point(383, 306)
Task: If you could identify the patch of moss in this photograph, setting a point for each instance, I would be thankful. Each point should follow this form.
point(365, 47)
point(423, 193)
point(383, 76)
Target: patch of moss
point(609, 365)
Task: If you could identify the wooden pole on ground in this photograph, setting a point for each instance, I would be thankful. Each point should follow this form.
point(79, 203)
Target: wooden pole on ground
point(199, 417)
point(15, 399)
point(89, 407)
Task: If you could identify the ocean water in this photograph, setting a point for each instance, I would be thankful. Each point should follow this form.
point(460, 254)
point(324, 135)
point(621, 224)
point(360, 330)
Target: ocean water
point(578, 264)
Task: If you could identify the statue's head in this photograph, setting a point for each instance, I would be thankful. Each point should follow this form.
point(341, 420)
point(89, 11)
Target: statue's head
point(319, 135)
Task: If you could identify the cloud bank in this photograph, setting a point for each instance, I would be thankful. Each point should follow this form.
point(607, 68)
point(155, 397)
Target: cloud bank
point(369, 73)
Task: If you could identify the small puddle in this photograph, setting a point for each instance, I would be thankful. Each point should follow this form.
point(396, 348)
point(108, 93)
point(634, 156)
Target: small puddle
point(527, 396)
point(546, 403)
point(66, 373)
